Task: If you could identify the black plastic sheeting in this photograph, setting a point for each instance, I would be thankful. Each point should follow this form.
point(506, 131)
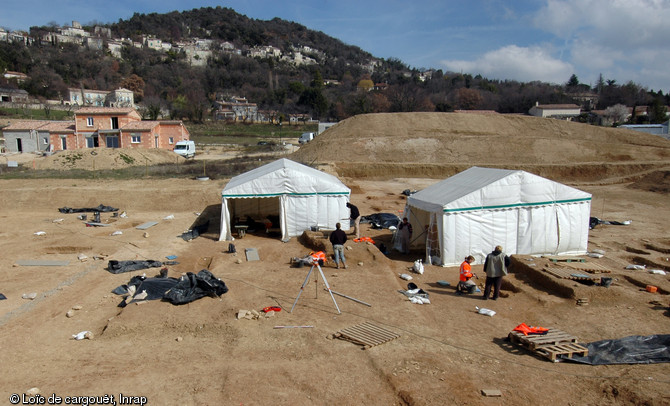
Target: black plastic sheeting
point(155, 287)
point(652, 349)
point(195, 232)
point(184, 290)
point(194, 286)
point(116, 267)
point(594, 221)
point(100, 208)
point(2, 297)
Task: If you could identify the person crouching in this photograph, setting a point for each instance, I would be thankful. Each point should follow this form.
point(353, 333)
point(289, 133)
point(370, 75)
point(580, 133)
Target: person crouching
point(465, 283)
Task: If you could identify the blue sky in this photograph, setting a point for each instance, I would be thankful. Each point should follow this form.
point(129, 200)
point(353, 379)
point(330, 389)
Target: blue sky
point(524, 40)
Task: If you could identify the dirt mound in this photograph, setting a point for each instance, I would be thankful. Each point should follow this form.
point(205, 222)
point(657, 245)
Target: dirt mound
point(658, 181)
point(441, 144)
point(106, 158)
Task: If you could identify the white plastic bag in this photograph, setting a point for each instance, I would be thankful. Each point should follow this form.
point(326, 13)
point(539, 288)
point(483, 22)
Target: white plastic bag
point(418, 266)
point(82, 335)
point(405, 276)
point(415, 300)
point(487, 312)
point(638, 267)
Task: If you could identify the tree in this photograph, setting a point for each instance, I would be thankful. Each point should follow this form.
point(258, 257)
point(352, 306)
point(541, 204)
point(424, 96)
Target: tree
point(600, 84)
point(658, 112)
point(468, 99)
point(573, 81)
point(134, 83)
point(617, 113)
point(365, 85)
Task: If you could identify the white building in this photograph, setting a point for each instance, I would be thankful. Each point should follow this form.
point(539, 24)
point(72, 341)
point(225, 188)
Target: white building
point(559, 111)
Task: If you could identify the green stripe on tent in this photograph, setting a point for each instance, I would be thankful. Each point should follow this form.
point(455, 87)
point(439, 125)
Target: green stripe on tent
point(507, 206)
point(290, 194)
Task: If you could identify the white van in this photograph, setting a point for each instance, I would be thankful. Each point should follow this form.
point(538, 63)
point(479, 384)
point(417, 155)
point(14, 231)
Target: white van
point(185, 148)
point(305, 137)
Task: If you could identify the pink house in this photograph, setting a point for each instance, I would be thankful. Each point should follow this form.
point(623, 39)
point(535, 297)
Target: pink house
point(95, 127)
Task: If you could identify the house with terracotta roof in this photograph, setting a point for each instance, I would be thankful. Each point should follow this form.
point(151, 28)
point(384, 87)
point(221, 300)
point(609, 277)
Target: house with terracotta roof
point(94, 127)
point(559, 111)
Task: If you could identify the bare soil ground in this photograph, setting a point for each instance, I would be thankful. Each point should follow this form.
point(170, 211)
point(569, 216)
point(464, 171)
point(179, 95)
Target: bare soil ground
point(200, 354)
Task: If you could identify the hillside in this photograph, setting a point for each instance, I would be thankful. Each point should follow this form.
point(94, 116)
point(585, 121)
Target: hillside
point(442, 144)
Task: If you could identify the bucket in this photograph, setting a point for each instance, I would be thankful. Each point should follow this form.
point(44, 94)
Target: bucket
point(606, 282)
point(651, 288)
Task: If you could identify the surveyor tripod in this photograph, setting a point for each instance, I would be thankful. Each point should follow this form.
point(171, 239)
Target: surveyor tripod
point(316, 264)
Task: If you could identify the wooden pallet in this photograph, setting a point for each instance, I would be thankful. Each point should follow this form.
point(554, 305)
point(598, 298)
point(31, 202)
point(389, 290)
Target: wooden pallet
point(564, 258)
point(569, 273)
point(550, 345)
point(366, 334)
point(589, 267)
point(534, 342)
point(551, 352)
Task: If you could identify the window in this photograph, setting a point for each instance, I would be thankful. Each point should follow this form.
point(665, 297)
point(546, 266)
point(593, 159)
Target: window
point(135, 138)
point(112, 142)
point(89, 121)
point(171, 140)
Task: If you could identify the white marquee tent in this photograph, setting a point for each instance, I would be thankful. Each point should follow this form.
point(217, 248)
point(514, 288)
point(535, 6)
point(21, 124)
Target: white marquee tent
point(298, 196)
point(475, 210)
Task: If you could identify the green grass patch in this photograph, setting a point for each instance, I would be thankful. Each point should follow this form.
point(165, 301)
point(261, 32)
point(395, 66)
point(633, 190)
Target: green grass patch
point(35, 114)
point(127, 159)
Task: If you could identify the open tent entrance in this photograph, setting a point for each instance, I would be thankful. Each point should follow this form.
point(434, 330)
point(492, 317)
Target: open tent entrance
point(256, 213)
point(283, 196)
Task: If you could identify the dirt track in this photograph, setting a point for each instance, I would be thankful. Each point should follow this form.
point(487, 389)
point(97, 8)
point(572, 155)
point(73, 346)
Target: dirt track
point(200, 354)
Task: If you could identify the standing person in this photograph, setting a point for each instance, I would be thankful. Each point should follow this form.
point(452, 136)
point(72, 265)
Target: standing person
point(495, 267)
point(356, 216)
point(465, 277)
point(338, 238)
point(405, 229)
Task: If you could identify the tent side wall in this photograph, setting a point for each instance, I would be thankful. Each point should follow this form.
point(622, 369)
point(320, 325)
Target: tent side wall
point(476, 233)
point(558, 229)
point(323, 211)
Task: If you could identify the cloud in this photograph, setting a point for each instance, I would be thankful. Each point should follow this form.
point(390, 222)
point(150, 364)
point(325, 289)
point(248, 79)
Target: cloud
point(615, 23)
point(517, 63)
point(620, 38)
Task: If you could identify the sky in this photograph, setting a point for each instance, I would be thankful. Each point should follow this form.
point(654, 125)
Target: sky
point(523, 40)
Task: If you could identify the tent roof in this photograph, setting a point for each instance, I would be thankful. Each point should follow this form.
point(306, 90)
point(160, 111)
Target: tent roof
point(283, 177)
point(487, 188)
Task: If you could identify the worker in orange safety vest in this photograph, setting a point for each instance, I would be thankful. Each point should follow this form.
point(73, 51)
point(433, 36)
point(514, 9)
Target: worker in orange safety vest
point(318, 257)
point(465, 283)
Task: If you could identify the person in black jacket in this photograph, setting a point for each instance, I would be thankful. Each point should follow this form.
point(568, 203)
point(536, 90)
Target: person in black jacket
point(356, 216)
point(338, 238)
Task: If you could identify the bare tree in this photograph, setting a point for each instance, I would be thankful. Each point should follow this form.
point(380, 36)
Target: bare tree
point(617, 113)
